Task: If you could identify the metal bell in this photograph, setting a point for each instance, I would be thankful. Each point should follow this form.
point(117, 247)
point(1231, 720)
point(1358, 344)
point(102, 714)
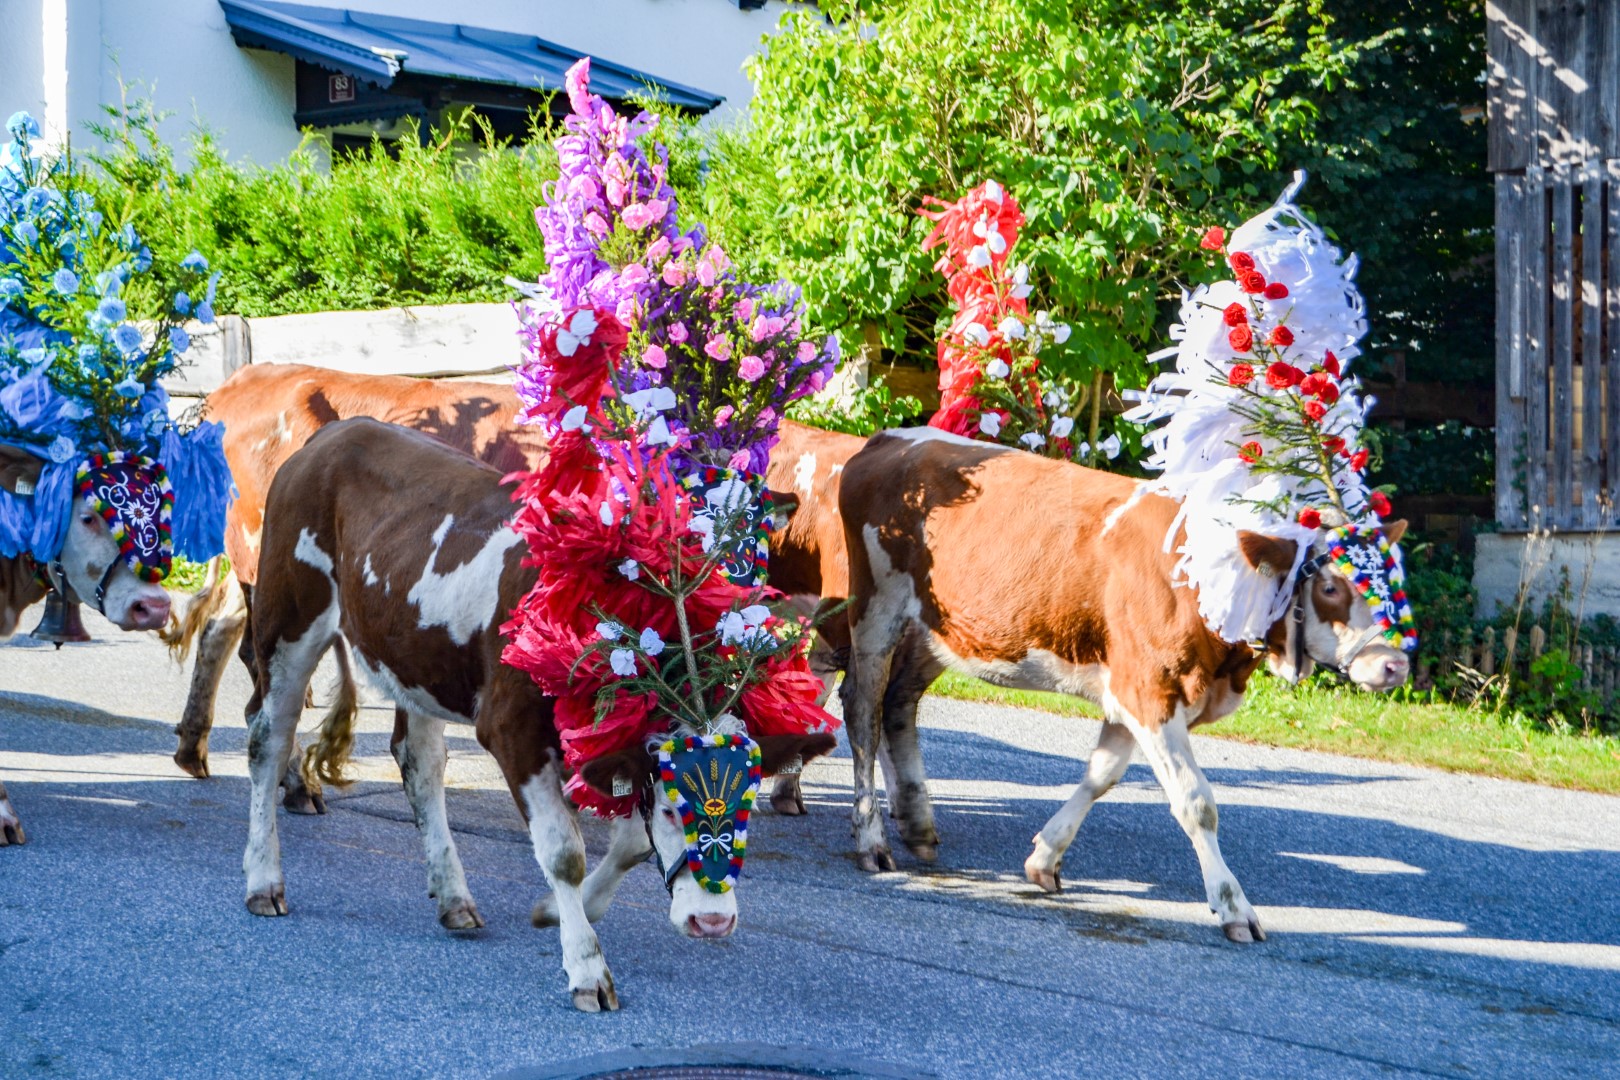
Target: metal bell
point(61, 621)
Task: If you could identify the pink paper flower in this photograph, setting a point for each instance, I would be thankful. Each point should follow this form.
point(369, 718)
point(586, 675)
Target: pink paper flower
point(719, 348)
point(750, 369)
point(767, 326)
point(674, 274)
point(596, 224)
point(677, 332)
point(654, 357)
point(745, 308)
point(637, 216)
point(634, 274)
point(723, 415)
point(658, 249)
point(806, 352)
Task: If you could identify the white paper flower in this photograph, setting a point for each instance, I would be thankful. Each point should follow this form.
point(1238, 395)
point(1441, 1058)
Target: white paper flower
point(651, 642)
point(997, 369)
point(609, 631)
point(1060, 332)
point(623, 662)
point(976, 333)
point(992, 191)
point(1032, 439)
point(1109, 447)
point(630, 569)
point(578, 332)
point(1021, 287)
point(574, 419)
point(1062, 426)
point(606, 513)
point(654, 399)
point(1012, 328)
point(990, 424)
point(658, 433)
point(979, 257)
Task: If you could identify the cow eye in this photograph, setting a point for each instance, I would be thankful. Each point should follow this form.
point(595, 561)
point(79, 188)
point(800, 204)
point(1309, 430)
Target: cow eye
point(1329, 589)
point(87, 519)
point(669, 812)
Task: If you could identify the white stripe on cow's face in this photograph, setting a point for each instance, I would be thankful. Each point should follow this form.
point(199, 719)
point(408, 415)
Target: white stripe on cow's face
point(468, 598)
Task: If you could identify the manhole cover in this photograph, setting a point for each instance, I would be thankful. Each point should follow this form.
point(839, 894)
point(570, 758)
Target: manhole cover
point(735, 1061)
point(704, 1072)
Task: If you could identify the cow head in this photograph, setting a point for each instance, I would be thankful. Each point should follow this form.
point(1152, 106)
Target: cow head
point(695, 909)
point(1338, 627)
point(91, 565)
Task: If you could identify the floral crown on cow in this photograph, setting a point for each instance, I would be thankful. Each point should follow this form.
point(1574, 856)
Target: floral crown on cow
point(1263, 427)
point(79, 375)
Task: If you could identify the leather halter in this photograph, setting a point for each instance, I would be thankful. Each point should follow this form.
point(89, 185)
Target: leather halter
point(1309, 569)
point(669, 873)
point(70, 594)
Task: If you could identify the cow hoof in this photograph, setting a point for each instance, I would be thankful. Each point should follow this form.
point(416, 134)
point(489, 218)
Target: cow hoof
point(545, 912)
point(875, 861)
point(303, 801)
point(271, 901)
point(11, 830)
point(192, 761)
point(462, 916)
point(598, 998)
point(1244, 933)
point(925, 852)
point(788, 800)
point(1048, 880)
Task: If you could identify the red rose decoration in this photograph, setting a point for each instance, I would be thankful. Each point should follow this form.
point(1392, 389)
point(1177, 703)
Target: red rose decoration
point(1312, 384)
point(1358, 460)
point(1241, 338)
point(1315, 410)
point(1214, 239)
point(1276, 291)
point(1234, 315)
point(1333, 444)
point(1240, 375)
point(1241, 261)
point(1251, 452)
point(1329, 393)
point(1310, 518)
point(1379, 503)
point(1252, 281)
point(1281, 376)
point(1331, 364)
point(1281, 336)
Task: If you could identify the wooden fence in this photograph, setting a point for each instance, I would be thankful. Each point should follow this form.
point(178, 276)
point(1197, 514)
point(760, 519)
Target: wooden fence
point(1491, 653)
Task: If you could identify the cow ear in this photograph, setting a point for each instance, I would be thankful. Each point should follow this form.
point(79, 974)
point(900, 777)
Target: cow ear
point(1394, 530)
point(792, 752)
point(19, 470)
point(632, 766)
point(1271, 556)
point(784, 504)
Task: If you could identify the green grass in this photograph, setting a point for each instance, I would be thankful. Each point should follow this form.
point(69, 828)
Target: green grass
point(187, 576)
point(1406, 727)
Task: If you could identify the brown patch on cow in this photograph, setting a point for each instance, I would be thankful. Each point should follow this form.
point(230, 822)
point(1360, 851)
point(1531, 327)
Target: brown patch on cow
point(1269, 555)
point(1331, 596)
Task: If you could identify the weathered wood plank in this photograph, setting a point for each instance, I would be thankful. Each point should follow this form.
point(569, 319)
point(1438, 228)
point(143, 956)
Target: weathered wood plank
point(1538, 353)
point(1510, 33)
point(1563, 347)
point(1605, 67)
point(1612, 318)
point(1510, 347)
point(1594, 223)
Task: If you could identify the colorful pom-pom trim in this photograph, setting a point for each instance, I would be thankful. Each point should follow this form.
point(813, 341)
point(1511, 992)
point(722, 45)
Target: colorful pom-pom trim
point(1390, 607)
point(154, 563)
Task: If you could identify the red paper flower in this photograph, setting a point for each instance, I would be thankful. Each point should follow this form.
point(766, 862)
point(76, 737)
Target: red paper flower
point(1240, 375)
point(1281, 336)
point(1214, 239)
point(1310, 518)
point(1241, 261)
point(1329, 393)
point(1312, 384)
point(1333, 444)
point(1276, 291)
point(1235, 315)
point(1252, 281)
point(1379, 503)
point(1358, 460)
point(1251, 452)
point(1315, 410)
point(1281, 376)
point(1330, 363)
point(1241, 338)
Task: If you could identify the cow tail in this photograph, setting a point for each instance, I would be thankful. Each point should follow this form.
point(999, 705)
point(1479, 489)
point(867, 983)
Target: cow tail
point(180, 632)
point(324, 761)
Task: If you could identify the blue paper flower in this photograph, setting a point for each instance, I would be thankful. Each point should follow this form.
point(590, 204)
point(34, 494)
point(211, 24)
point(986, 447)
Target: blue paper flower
point(205, 312)
point(143, 260)
point(22, 126)
point(182, 303)
point(112, 310)
point(128, 339)
point(27, 233)
point(10, 289)
point(130, 387)
point(194, 262)
point(213, 280)
point(62, 450)
point(65, 281)
point(179, 339)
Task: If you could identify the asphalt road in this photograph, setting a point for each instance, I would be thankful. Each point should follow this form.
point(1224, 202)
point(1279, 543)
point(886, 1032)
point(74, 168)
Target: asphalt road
point(1420, 922)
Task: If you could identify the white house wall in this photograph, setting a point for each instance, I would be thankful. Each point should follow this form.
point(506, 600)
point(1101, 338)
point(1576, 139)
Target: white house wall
point(183, 53)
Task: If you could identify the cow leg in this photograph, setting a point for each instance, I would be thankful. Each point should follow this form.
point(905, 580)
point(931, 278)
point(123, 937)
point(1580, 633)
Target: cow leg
point(418, 747)
point(865, 686)
point(554, 831)
point(11, 830)
point(900, 756)
point(1168, 749)
point(284, 670)
point(1108, 763)
point(628, 849)
point(303, 794)
point(220, 636)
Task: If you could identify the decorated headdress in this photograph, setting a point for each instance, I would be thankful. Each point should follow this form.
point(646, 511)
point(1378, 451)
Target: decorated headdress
point(79, 377)
point(646, 621)
point(1262, 427)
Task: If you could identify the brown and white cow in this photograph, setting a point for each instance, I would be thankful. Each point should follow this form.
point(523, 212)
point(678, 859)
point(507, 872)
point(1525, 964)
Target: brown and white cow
point(269, 412)
point(1044, 575)
point(89, 566)
point(404, 547)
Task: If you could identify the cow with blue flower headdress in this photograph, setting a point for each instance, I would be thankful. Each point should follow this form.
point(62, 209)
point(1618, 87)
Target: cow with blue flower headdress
point(99, 488)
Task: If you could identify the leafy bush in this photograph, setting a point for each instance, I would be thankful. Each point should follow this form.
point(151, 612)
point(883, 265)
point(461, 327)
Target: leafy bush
point(438, 225)
point(857, 410)
point(1449, 458)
